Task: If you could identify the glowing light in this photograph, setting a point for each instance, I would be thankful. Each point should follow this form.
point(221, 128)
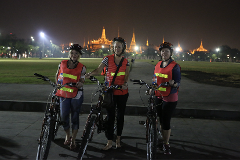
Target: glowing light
point(42, 34)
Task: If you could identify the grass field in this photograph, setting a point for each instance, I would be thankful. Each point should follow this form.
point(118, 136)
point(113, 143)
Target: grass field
point(21, 71)
point(226, 68)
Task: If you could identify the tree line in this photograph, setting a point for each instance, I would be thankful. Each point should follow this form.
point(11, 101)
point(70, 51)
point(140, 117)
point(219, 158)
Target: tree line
point(13, 47)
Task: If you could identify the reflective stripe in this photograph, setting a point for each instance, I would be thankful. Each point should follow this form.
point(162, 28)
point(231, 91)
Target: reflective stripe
point(118, 74)
point(69, 76)
point(161, 75)
point(66, 89)
point(162, 89)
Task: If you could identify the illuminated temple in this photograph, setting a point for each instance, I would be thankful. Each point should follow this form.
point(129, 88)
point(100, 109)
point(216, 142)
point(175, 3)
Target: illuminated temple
point(102, 42)
point(132, 44)
point(200, 49)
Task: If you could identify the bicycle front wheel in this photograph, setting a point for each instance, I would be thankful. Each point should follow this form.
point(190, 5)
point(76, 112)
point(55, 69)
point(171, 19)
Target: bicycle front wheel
point(45, 140)
point(56, 122)
point(87, 135)
point(151, 139)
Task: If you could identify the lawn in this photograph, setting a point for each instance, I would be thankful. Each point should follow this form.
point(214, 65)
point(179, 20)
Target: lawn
point(226, 68)
point(21, 71)
point(217, 73)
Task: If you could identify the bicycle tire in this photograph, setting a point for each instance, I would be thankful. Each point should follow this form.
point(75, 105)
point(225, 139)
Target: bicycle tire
point(45, 140)
point(152, 139)
point(87, 135)
point(56, 124)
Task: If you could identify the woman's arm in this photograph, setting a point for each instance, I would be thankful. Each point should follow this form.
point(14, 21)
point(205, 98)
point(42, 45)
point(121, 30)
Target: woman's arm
point(56, 77)
point(96, 71)
point(176, 77)
point(125, 85)
point(82, 78)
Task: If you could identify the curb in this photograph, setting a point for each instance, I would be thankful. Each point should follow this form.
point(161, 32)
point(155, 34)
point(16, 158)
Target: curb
point(35, 106)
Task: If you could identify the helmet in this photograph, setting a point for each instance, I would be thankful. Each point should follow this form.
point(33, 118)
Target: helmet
point(120, 39)
point(76, 47)
point(166, 45)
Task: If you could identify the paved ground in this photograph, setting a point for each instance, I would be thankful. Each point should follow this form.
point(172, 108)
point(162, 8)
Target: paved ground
point(215, 136)
point(191, 139)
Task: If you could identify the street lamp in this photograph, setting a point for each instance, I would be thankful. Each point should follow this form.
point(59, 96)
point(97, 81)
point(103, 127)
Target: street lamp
point(42, 35)
point(218, 51)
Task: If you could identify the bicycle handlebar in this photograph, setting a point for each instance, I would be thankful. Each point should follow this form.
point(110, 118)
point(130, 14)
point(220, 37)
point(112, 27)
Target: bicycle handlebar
point(94, 79)
point(44, 78)
point(141, 82)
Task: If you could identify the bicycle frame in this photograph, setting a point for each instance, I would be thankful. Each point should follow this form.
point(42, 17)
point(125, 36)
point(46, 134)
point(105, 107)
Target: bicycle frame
point(51, 121)
point(95, 118)
point(151, 122)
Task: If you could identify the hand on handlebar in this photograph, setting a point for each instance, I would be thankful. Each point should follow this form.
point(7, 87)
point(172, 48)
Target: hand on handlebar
point(79, 84)
point(171, 82)
point(125, 86)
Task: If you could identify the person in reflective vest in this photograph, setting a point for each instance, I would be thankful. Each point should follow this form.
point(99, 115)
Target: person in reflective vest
point(166, 70)
point(119, 96)
point(71, 98)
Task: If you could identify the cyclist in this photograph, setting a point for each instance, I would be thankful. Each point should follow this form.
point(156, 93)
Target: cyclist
point(166, 70)
point(71, 98)
point(119, 96)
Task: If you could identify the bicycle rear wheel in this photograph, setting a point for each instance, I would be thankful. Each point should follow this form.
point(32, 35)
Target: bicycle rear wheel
point(45, 139)
point(152, 139)
point(87, 135)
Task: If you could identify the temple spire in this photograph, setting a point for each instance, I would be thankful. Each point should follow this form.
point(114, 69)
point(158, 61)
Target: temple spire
point(133, 38)
point(84, 42)
point(103, 34)
point(163, 40)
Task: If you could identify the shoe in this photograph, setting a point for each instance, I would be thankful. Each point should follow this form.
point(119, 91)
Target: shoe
point(107, 147)
point(160, 146)
point(118, 145)
point(166, 149)
point(72, 146)
point(67, 142)
point(118, 142)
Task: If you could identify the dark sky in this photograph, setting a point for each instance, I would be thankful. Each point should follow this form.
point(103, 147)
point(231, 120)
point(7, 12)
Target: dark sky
point(216, 22)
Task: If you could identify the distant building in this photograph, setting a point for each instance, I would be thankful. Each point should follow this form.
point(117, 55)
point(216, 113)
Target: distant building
point(200, 53)
point(200, 49)
point(100, 43)
point(132, 47)
point(179, 48)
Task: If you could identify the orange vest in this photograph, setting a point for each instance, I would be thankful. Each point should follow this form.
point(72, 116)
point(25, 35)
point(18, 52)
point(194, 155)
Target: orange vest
point(112, 67)
point(66, 75)
point(163, 75)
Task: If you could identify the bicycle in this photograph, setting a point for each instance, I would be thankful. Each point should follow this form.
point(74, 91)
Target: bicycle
point(151, 123)
point(95, 118)
point(51, 121)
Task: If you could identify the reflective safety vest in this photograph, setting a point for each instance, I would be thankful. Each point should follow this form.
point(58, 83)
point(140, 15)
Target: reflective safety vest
point(163, 75)
point(66, 75)
point(120, 78)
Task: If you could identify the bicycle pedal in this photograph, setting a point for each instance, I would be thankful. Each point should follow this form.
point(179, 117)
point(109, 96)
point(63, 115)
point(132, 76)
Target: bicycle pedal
point(141, 122)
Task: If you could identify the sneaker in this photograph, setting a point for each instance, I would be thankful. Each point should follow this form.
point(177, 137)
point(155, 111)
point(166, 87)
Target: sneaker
point(160, 145)
point(166, 149)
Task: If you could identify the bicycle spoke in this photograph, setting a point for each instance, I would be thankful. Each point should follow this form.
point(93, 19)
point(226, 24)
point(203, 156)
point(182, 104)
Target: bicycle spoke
point(87, 135)
point(45, 140)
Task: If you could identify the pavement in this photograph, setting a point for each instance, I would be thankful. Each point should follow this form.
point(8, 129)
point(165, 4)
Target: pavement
point(205, 124)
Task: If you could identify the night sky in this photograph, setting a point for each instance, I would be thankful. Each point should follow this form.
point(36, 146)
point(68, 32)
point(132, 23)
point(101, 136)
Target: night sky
point(215, 22)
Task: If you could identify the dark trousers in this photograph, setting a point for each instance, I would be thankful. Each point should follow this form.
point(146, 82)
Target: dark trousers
point(165, 111)
point(120, 102)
